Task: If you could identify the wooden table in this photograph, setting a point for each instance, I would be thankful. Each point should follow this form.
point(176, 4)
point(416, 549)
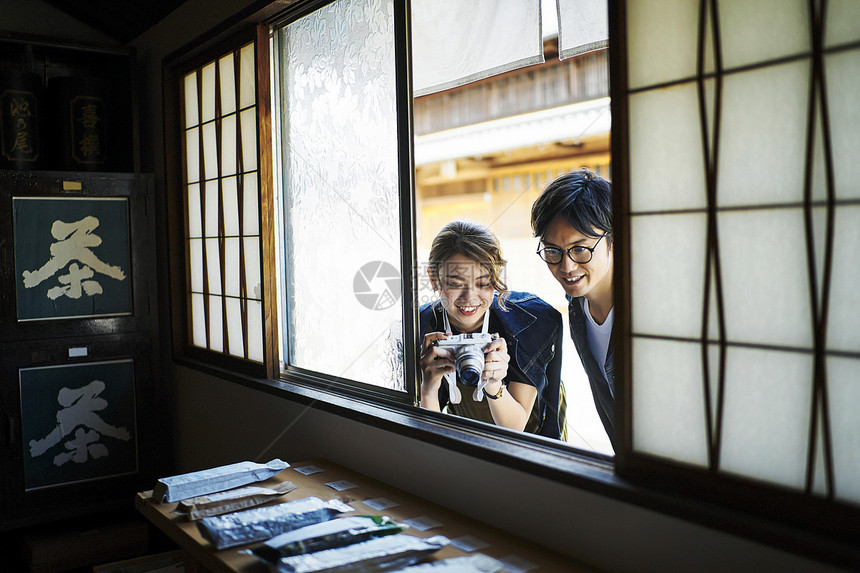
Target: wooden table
point(468, 534)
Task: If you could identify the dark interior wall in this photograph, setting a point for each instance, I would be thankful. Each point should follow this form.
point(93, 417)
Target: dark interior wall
point(39, 18)
point(217, 421)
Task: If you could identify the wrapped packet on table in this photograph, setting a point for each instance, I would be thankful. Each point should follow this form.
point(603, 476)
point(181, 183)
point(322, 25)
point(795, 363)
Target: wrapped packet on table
point(261, 523)
point(232, 500)
point(477, 563)
point(203, 482)
point(326, 535)
point(387, 553)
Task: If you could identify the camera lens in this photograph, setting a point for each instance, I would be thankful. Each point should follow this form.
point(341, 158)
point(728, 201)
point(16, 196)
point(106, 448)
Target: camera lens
point(470, 364)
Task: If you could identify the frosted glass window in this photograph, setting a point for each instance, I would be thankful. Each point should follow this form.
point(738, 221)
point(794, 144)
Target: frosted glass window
point(667, 398)
point(223, 266)
point(766, 418)
point(763, 30)
point(341, 191)
point(762, 137)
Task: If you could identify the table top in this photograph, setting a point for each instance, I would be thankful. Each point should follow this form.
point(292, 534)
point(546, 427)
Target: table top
point(326, 480)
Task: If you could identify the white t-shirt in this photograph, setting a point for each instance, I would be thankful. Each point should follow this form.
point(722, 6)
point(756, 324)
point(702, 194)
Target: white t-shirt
point(598, 338)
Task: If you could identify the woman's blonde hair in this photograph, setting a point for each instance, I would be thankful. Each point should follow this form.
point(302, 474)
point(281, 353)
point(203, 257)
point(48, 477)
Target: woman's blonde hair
point(473, 241)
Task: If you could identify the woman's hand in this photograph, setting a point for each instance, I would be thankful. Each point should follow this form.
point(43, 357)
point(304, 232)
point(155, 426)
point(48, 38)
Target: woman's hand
point(513, 407)
point(434, 363)
point(496, 359)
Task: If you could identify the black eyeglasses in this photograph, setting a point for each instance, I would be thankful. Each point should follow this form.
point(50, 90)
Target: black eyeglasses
point(577, 253)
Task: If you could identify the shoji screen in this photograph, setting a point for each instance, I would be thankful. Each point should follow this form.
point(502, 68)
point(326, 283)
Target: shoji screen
point(222, 191)
point(744, 222)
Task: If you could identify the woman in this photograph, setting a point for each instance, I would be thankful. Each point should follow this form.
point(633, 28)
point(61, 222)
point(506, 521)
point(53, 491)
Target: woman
point(520, 385)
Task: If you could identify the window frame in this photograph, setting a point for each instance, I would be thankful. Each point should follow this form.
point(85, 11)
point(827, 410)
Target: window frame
point(816, 528)
point(176, 66)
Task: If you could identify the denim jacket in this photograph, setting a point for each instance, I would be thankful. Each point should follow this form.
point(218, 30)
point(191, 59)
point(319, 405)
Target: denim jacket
point(533, 332)
point(601, 388)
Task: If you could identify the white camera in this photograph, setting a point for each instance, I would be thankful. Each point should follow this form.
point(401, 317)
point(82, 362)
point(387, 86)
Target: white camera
point(468, 351)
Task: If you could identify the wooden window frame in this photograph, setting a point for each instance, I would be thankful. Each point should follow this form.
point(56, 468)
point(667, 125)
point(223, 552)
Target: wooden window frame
point(821, 529)
point(830, 522)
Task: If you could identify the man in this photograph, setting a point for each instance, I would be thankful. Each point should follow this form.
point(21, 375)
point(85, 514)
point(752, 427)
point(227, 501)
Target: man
point(573, 220)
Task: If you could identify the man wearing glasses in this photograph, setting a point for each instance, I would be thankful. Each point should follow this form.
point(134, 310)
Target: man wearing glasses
point(573, 220)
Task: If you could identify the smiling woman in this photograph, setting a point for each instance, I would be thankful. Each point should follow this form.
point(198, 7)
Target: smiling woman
point(477, 326)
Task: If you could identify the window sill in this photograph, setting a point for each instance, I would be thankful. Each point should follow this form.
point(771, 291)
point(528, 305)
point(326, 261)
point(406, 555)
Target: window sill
point(545, 458)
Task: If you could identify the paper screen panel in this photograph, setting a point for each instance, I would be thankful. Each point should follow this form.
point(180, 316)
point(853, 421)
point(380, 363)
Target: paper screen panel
point(764, 30)
point(216, 332)
point(843, 85)
point(762, 136)
point(661, 49)
point(195, 221)
point(226, 211)
point(765, 277)
point(207, 93)
point(667, 258)
point(766, 415)
point(843, 397)
point(227, 73)
point(229, 145)
point(841, 26)
point(230, 206)
point(247, 77)
point(192, 155)
point(666, 159)
point(843, 333)
point(192, 116)
point(668, 400)
point(255, 330)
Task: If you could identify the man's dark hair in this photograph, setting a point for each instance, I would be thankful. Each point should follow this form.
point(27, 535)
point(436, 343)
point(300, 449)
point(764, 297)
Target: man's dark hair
point(582, 197)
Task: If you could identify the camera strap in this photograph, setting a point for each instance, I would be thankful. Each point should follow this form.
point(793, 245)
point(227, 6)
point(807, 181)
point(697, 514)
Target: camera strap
point(454, 395)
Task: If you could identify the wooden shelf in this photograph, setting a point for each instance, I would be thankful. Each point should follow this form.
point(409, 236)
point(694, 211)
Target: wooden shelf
point(456, 527)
